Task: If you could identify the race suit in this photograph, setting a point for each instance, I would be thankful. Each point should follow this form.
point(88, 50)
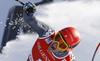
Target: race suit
point(40, 51)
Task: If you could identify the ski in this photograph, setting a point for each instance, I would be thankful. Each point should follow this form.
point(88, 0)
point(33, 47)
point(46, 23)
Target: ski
point(95, 51)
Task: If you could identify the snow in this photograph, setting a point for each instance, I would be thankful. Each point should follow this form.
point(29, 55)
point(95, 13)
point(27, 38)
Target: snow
point(84, 16)
point(18, 50)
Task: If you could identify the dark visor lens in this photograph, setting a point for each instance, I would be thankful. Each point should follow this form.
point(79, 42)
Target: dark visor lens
point(60, 41)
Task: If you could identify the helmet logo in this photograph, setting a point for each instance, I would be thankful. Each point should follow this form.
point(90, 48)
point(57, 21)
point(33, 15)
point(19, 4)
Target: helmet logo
point(65, 35)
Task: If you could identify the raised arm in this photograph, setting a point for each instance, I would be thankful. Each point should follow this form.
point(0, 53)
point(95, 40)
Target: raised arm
point(42, 29)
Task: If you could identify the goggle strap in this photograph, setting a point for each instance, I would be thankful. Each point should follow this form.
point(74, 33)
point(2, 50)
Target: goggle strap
point(64, 39)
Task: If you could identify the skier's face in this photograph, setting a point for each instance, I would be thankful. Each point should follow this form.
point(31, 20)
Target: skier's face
point(53, 48)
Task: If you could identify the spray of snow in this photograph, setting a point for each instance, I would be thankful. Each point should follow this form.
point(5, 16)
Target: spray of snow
point(85, 17)
point(18, 50)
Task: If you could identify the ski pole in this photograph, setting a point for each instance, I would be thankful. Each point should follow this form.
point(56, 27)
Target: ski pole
point(95, 51)
point(20, 2)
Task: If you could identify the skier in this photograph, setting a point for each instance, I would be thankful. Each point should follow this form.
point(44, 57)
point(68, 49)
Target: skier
point(50, 46)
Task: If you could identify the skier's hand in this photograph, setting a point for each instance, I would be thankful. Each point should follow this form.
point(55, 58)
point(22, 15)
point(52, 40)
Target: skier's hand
point(29, 8)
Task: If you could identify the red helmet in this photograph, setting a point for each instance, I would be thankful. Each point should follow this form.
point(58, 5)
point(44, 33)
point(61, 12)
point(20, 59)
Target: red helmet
point(71, 36)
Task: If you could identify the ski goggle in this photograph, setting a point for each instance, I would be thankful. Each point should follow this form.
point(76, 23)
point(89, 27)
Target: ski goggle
point(62, 43)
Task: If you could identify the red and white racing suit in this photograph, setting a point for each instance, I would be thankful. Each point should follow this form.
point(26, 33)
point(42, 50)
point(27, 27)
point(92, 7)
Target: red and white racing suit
point(40, 49)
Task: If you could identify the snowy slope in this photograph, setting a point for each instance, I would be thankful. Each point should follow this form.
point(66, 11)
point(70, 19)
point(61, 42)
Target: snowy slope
point(84, 16)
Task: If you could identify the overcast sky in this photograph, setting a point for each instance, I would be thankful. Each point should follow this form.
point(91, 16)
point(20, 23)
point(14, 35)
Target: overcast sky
point(84, 16)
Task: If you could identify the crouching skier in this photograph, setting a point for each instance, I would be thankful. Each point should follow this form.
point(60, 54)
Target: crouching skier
point(50, 46)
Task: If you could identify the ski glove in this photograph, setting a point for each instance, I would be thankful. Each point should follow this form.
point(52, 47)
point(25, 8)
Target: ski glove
point(29, 8)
